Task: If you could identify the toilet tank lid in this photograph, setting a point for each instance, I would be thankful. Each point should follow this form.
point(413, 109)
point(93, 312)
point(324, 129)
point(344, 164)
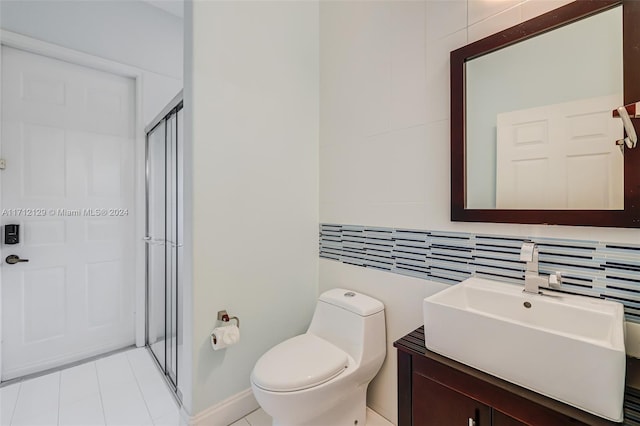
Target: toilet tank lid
point(350, 300)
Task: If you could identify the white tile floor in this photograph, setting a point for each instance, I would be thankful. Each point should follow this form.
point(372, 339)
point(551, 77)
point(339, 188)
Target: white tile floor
point(260, 418)
point(125, 389)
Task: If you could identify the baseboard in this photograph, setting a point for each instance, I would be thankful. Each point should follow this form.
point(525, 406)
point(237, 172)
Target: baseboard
point(225, 412)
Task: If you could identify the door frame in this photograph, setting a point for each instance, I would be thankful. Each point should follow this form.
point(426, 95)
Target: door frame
point(32, 45)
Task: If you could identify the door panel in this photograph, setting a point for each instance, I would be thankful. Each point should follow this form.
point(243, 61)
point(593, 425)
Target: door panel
point(68, 141)
point(448, 408)
point(44, 304)
point(560, 156)
point(103, 302)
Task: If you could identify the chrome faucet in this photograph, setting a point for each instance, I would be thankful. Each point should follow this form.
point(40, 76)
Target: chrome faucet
point(532, 280)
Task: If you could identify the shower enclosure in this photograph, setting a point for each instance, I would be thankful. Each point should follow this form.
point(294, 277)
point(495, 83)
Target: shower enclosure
point(163, 239)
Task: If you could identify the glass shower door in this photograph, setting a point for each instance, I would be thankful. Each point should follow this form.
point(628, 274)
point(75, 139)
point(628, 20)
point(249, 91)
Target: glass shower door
point(155, 239)
point(164, 248)
point(172, 245)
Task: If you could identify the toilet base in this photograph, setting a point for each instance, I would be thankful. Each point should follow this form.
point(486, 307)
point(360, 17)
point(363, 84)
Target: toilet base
point(350, 411)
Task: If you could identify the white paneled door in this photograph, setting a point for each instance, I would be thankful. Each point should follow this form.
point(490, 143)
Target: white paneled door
point(561, 156)
point(68, 144)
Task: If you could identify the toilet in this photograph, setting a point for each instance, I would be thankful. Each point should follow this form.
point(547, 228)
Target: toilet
point(320, 378)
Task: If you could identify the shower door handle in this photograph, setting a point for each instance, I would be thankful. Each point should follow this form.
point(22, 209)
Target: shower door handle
point(13, 259)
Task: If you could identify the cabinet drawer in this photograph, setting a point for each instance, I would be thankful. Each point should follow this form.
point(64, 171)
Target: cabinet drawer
point(437, 405)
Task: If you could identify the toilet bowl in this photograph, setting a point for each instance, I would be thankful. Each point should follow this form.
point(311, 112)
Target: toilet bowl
point(320, 378)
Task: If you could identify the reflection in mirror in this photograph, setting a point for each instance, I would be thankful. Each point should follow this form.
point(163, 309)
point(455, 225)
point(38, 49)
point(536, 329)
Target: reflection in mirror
point(539, 130)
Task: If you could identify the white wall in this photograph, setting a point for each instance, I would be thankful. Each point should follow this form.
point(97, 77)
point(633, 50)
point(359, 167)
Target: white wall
point(130, 32)
point(251, 88)
point(384, 138)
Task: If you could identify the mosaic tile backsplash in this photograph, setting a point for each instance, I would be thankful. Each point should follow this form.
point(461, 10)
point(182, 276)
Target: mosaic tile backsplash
point(591, 268)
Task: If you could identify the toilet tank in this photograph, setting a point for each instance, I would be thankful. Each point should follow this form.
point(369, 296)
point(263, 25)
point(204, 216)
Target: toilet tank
point(352, 321)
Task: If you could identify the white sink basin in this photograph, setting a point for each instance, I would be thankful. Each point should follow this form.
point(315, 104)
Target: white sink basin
point(570, 348)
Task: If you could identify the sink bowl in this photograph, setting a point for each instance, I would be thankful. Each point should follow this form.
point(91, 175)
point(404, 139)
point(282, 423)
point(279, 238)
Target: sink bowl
point(570, 348)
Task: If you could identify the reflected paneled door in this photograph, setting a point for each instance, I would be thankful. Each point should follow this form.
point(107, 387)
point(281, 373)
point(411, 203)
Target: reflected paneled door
point(68, 141)
point(560, 156)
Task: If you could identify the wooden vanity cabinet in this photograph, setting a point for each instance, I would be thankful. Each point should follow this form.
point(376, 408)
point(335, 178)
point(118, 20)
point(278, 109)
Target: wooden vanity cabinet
point(436, 391)
point(501, 419)
point(436, 404)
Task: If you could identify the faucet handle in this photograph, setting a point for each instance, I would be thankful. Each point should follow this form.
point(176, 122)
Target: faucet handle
point(527, 251)
point(555, 280)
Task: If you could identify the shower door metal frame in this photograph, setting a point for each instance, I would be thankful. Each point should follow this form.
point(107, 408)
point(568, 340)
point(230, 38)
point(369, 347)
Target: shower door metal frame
point(172, 109)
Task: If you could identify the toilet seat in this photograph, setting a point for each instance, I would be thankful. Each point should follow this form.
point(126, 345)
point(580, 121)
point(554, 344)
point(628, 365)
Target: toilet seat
point(299, 363)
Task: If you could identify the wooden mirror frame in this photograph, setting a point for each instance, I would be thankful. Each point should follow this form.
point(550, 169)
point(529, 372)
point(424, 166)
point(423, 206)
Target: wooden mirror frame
point(627, 218)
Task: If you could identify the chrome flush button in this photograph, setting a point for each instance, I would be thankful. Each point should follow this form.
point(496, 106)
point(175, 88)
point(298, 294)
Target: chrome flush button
point(349, 294)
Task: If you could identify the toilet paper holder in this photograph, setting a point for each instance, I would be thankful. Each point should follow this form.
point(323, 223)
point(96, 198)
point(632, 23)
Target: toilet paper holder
point(224, 317)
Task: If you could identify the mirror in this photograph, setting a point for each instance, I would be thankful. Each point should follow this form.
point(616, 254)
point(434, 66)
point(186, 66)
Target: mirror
point(539, 123)
point(533, 137)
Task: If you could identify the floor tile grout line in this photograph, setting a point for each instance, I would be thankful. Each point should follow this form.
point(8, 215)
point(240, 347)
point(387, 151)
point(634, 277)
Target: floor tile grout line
point(104, 411)
point(104, 414)
point(156, 372)
point(146, 405)
point(15, 404)
point(59, 394)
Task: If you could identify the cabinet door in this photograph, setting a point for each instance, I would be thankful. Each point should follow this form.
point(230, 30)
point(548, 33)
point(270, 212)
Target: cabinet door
point(501, 419)
point(438, 405)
